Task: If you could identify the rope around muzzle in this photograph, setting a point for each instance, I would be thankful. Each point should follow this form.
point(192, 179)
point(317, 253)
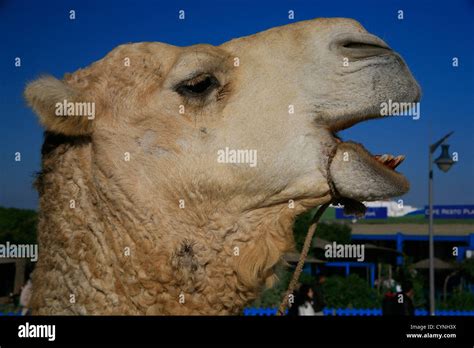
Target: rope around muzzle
point(302, 259)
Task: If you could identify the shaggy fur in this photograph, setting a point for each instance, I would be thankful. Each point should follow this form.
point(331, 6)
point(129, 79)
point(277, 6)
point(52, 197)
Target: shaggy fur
point(88, 246)
point(136, 214)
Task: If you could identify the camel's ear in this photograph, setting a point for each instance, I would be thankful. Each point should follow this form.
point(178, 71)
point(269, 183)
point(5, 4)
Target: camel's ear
point(59, 107)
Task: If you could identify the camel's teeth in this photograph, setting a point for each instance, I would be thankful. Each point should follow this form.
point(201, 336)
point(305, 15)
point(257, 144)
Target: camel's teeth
point(391, 164)
point(397, 161)
point(389, 160)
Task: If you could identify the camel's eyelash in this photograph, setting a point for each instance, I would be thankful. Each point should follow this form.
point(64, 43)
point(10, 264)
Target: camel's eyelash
point(223, 92)
point(198, 86)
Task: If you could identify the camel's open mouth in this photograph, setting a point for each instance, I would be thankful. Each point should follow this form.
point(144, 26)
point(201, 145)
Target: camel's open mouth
point(358, 175)
point(388, 160)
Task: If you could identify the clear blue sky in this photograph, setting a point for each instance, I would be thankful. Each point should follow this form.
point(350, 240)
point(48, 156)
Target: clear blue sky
point(432, 32)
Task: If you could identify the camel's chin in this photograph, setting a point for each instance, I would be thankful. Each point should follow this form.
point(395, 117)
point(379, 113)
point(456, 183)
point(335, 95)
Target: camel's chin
point(358, 175)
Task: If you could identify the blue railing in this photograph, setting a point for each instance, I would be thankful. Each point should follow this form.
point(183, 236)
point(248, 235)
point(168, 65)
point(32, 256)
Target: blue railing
point(256, 311)
point(445, 312)
point(253, 311)
point(352, 311)
point(10, 314)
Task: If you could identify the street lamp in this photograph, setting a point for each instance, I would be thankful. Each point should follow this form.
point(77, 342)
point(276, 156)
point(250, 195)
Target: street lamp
point(444, 162)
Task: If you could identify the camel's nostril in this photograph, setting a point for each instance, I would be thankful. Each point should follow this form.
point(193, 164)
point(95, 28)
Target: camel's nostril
point(361, 45)
point(360, 50)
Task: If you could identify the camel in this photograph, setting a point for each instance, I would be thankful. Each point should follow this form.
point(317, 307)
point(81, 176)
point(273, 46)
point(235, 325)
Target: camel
point(148, 202)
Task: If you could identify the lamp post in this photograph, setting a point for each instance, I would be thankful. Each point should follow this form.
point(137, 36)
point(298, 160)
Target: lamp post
point(444, 162)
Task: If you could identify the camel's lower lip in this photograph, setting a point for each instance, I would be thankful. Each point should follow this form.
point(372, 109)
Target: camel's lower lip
point(357, 174)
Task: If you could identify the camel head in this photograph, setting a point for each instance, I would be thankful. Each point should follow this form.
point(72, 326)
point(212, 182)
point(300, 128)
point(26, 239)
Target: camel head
point(206, 133)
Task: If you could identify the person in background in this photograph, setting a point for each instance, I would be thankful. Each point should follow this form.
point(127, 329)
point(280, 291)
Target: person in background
point(318, 297)
point(308, 301)
point(25, 298)
point(400, 300)
point(389, 303)
point(407, 307)
point(305, 300)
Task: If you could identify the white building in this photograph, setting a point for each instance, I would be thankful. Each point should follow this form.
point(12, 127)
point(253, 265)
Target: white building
point(394, 209)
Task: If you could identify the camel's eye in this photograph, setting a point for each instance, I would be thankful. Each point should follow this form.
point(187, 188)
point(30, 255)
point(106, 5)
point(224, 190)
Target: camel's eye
point(198, 86)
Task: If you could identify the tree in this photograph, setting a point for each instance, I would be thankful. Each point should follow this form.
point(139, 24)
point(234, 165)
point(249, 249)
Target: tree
point(17, 226)
point(330, 231)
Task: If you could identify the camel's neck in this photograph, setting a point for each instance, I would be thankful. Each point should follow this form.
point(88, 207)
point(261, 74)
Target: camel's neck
point(101, 253)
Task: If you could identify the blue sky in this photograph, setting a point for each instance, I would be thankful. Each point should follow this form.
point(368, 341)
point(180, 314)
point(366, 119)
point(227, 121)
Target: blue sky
point(429, 36)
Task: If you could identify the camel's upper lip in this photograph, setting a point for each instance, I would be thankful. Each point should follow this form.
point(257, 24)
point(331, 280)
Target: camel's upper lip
point(389, 160)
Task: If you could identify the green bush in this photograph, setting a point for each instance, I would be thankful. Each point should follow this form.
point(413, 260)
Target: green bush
point(419, 300)
point(17, 226)
point(339, 292)
point(350, 292)
point(458, 300)
point(467, 268)
point(273, 296)
point(330, 231)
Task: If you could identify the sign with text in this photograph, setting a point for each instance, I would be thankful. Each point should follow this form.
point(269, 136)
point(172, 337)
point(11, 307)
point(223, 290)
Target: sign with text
point(371, 213)
point(452, 211)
